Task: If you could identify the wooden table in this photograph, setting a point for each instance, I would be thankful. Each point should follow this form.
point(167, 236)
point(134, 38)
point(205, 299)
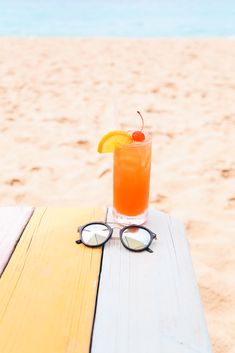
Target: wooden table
point(58, 297)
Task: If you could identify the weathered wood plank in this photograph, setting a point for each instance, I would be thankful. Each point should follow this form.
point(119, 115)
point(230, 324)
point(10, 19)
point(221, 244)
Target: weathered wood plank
point(12, 223)
point(48, 290)
point(150, 302)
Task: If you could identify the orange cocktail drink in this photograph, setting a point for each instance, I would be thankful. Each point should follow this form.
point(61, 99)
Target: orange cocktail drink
point(131, 181)
point(131, 174)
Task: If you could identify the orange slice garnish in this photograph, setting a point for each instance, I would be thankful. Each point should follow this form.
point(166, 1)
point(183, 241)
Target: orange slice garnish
point(110, 140)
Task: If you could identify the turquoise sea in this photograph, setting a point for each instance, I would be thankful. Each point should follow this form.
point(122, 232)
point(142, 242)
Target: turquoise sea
point(117, 18)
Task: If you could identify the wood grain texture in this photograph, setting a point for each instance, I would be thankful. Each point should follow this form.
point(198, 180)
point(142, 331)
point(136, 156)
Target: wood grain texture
point(150, 302)
point(12, 223)
point(48, 290)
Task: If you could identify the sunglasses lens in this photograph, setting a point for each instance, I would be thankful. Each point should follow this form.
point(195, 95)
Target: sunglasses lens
point(95, 234)
point(136, 238)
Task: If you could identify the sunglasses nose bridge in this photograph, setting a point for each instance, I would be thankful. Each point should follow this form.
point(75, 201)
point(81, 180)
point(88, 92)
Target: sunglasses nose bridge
point(117, 227)
point(115, 232)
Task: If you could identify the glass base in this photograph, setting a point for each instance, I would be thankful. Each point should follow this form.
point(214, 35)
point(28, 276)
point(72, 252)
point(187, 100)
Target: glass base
point(126, 220)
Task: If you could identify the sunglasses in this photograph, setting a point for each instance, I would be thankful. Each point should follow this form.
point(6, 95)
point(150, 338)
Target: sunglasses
point(133, 237)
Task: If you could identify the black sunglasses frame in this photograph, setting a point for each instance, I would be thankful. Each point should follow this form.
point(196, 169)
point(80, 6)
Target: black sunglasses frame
point(121, 231)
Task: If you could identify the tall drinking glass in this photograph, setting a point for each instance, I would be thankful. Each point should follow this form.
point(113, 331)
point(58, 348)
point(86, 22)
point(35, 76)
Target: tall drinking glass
point(131, 181)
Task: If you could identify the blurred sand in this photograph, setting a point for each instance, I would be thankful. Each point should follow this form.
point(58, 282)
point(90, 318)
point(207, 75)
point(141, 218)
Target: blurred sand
point(58, 96)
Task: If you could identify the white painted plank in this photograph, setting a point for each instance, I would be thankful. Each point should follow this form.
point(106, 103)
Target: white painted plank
point(12, 223)
point(150, 303)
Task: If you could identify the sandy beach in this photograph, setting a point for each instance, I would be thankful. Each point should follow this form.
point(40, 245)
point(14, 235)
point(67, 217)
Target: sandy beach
point(57, 98)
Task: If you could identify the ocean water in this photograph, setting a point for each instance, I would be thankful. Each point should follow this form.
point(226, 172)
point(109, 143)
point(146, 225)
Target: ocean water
point(117, 18)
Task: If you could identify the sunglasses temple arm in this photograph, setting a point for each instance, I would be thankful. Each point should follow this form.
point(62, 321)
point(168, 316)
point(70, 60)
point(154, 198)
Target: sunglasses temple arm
point(154, 235)
point(149, 250)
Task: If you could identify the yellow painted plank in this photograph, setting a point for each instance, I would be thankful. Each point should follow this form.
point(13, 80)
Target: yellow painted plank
point(48, 290)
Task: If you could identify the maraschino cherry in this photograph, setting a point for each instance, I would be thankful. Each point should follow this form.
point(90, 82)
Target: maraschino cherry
point(139, 135)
